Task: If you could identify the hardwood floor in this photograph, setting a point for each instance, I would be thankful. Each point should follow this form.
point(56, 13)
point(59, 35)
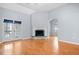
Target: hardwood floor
point(47, 46)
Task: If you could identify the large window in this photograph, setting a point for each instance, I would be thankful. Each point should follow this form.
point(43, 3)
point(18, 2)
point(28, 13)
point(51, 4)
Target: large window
point(8, 27)
point(12, 28)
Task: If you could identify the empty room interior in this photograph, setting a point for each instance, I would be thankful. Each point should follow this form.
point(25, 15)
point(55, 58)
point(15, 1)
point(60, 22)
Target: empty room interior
point(39, 28)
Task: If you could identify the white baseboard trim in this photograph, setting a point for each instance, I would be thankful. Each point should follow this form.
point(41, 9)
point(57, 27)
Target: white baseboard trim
point(75, 43)
point(39, 38)
point(16, 39)
point(69, 42)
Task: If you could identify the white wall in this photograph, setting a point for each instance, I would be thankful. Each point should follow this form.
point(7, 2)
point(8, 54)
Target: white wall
point(12, 15)
point(68, 21)
point(40, 21)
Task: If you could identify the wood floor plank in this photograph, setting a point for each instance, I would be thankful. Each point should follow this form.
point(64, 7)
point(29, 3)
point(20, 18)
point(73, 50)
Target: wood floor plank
point(38, 47)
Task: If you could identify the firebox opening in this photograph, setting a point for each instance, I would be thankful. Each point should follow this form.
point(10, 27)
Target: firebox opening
point(39, 33)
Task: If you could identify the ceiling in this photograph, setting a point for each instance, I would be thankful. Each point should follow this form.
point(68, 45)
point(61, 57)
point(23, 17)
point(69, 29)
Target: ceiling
point(29, 8)
point(17, 8)
point(41, 7)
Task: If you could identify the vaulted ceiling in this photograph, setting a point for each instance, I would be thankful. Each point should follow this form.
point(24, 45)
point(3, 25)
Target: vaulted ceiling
point(29, 8)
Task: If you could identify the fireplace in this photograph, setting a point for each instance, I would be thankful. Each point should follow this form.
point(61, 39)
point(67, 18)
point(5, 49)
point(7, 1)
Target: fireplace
point(39, 32)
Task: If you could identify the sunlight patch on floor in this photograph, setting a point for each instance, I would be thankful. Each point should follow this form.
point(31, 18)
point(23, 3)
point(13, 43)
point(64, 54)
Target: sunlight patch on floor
point(55, 44)
point(7, 49)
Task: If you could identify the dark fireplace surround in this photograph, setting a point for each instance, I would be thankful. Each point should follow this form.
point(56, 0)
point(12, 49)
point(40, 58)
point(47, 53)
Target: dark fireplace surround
point(39, 33)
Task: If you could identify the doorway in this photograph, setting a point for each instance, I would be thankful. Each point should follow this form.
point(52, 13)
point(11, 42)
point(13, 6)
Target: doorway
point(53, 27)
